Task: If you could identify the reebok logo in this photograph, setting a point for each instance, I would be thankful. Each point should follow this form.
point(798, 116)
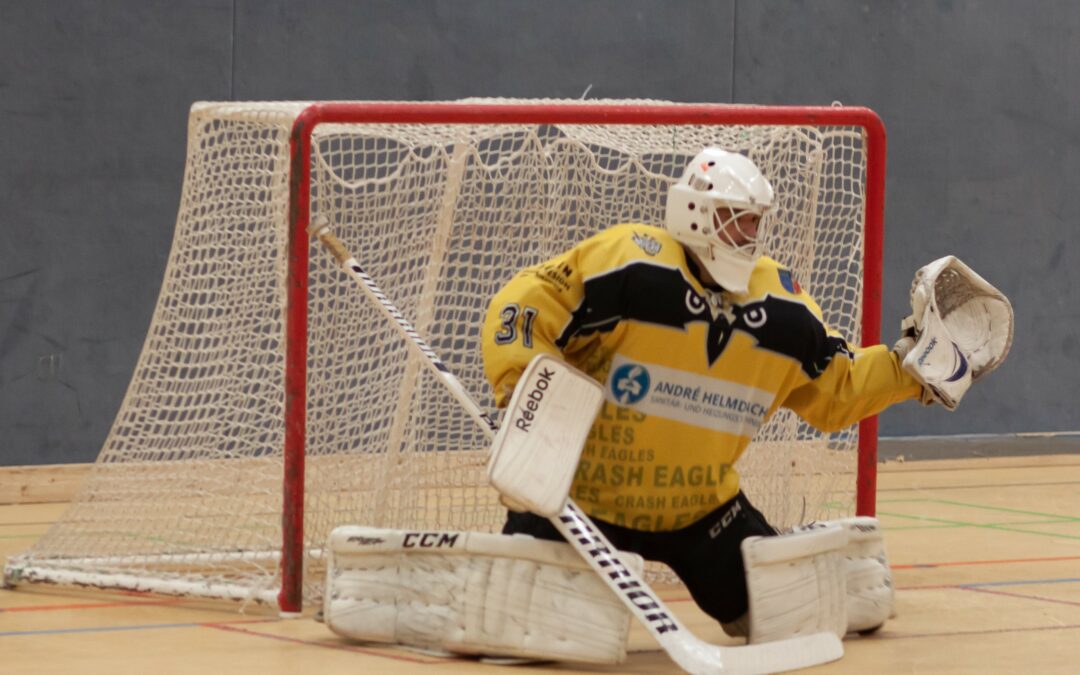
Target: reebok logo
point(926, 352)
point(531, 404)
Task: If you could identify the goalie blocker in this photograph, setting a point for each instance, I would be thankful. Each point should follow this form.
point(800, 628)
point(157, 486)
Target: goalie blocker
point(545, 425)
point(472, 593)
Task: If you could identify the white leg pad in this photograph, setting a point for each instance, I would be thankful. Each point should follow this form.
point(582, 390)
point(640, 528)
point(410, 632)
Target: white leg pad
point(795, 584)
point(870, 595)
point(868, 578)
point(472, 593)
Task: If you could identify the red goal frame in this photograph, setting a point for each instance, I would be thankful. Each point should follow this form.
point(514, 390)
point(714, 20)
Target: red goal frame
point(292, 560)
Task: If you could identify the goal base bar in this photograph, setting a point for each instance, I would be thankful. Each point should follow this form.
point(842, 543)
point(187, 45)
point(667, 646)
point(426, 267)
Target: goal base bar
point(15, 575)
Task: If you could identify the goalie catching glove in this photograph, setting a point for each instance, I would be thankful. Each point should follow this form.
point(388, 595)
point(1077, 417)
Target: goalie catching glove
point(960, 329)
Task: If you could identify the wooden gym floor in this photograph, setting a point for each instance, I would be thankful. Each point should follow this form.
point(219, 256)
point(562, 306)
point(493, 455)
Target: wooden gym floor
point(985, 552)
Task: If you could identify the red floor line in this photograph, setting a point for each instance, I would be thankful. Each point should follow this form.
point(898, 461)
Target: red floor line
point(330, 645)
point(931, 587)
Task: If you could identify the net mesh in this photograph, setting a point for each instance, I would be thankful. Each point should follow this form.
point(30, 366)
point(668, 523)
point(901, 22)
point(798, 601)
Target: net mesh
point(188, 486)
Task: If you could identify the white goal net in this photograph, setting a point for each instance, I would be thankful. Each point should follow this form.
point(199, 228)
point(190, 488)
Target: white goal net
point(441, 204)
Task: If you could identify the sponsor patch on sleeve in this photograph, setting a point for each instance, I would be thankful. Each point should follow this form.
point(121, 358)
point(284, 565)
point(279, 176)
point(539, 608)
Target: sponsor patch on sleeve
point(788, 282)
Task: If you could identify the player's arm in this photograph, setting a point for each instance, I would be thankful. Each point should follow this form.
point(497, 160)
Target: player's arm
point(839, 383)
point(857, 383)
point(525, 319)
point(528, 317)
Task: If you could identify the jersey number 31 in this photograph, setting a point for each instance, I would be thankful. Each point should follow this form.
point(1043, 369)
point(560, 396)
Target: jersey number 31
point(508, 331)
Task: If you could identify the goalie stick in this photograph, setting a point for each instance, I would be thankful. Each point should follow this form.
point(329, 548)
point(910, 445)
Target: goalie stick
point(687, 650)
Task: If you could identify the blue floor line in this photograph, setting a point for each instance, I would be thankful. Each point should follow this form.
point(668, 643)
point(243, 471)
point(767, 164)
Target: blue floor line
point(1019, 583)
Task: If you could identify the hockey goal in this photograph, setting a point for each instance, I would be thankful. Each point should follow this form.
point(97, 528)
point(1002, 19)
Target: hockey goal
point(272, 402)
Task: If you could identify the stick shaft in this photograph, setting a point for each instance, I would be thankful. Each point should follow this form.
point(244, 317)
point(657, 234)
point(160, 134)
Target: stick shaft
point(352, 267)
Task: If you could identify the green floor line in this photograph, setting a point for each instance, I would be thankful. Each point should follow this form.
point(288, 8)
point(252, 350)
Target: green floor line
point(931, 519)
point(903, 501)
point(1056, 535)
point(983, 507)
point(1012, 524)
point(945, 524)
point(1005, 510)
point(1056, 521)
point(905, 528)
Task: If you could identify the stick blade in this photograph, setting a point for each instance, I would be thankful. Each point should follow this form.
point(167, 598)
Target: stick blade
point(782, 655)
point(535, 453)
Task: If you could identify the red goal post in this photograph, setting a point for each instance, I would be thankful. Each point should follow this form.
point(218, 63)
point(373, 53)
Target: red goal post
point(290, 598)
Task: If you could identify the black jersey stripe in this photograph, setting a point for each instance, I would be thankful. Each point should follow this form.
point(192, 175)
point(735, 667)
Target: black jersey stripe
point(649, 293)
point(640, 291)
point(790, 328)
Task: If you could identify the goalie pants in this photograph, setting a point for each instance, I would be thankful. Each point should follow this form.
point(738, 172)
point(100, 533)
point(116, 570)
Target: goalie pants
point(705, 555)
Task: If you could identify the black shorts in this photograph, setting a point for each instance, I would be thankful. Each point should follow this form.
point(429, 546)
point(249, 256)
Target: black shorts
point(705, 555)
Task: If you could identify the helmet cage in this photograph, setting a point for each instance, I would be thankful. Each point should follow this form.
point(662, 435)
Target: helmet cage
point(717, 188)
point(730, 229)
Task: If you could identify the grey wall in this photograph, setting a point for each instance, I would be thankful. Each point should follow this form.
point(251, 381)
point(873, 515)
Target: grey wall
point(979, 99)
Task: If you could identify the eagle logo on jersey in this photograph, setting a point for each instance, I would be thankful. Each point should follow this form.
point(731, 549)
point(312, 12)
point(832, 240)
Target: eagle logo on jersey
point(694, 302)
point(630, 383)
point(648, 243)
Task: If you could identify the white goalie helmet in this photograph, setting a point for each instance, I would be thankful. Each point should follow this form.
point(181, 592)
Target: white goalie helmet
point(713, 181)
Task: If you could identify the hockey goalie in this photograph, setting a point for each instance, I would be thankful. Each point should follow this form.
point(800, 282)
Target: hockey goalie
point(638, 310)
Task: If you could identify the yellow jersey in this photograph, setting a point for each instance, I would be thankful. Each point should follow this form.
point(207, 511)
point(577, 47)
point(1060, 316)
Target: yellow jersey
point(689, 373)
